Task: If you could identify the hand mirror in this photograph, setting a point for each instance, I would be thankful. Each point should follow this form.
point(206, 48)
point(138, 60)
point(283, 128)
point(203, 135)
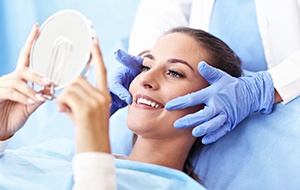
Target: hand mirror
point(62, 49)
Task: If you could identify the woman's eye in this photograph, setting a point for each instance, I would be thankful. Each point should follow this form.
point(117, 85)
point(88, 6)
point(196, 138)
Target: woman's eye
point(176, 74)
point(144, 68)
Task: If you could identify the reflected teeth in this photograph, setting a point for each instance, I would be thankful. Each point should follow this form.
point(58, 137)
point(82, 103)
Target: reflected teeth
point(147, 102)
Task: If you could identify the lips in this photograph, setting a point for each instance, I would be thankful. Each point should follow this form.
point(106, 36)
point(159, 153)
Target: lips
point(146, 100)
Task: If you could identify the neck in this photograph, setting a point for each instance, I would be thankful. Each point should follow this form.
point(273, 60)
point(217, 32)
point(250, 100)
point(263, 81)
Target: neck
point(170, 153)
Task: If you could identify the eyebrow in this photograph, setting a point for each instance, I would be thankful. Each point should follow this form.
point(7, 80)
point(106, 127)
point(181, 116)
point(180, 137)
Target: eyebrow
point(171, 60)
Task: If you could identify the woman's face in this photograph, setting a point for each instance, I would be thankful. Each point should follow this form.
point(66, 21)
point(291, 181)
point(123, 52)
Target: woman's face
point(169, 71)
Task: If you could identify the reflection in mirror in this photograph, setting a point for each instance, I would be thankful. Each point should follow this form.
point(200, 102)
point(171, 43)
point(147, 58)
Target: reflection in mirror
point(62, 50)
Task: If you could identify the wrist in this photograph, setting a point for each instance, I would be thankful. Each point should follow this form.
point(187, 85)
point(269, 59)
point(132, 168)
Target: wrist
point(277, 97)
point(92, 141)
point(265, 96)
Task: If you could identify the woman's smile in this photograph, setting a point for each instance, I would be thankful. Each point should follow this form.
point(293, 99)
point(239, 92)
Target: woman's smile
point(144, 101)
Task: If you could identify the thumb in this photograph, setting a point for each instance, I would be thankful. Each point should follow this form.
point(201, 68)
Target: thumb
point(210, 73)
point(33, 107)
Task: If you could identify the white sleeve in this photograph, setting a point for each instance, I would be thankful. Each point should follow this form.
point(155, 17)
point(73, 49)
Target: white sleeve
point(94, 170)
point(153, 18)
point(286, 77)
point(3, 145)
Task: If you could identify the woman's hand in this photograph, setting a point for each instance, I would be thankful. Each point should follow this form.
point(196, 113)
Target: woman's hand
point(17, 99)
point(88, 107)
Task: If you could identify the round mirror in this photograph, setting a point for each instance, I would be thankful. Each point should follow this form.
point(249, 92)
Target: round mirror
point(62, 50)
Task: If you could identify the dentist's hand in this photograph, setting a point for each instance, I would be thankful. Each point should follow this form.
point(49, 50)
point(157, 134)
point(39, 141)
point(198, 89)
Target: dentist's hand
point(228, 100)
point(122, 78)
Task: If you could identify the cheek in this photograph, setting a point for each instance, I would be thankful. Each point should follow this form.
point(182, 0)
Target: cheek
point(133, 85)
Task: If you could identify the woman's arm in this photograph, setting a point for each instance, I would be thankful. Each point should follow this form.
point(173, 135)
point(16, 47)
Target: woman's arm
point(88, 108)
point(17, 99)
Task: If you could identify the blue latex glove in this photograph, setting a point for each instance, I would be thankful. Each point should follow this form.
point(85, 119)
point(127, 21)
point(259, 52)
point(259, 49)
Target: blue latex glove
point(122, 78)
point(228, 100)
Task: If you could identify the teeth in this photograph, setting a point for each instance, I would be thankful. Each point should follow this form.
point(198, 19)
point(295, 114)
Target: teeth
point(147, 102)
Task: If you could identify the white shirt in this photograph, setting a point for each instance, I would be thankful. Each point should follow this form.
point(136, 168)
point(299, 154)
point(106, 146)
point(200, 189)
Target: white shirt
point(280, 34)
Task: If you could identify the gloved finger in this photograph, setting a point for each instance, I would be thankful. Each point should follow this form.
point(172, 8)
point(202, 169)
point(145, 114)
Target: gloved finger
point(121, 92)
point(196, 118)
point(216, 135)
point(130, 61)
point(209, 126)
point(192, 99)
point(210, 73)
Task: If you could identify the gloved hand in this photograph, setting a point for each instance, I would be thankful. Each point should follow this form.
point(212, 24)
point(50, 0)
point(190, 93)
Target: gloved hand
point(122, 78)
point(228, 100)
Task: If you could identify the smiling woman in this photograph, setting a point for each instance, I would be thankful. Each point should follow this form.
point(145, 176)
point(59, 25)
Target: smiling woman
point(170, 70)
point(162, 152)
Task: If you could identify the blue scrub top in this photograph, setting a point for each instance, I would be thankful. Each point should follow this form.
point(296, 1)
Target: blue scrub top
point(238, 27)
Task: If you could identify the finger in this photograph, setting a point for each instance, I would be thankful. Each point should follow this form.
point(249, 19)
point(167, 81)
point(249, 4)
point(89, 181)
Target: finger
point(197, 118)
point(100, 70)
point(192, 99)
point(209, 126)
point(25, 52)
point(69, 100)
point(117, 86)
point(216, 135)
point(210, 73)
point(85, 95)
point(120, 91)
point(130, 61)
point(16, 96)
point(32, 107)
point(27, 74)
point(84, 89)
point(19, 86)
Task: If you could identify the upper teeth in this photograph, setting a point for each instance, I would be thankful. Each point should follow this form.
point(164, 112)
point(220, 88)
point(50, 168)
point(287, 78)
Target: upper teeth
point(147, 102)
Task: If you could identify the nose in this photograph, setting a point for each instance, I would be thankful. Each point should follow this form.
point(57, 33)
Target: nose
point(149, 79)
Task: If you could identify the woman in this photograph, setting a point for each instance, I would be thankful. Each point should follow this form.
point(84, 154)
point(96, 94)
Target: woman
point(169, 70)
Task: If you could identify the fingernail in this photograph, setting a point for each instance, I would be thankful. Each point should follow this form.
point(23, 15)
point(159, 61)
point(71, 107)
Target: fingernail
point(40, 97)
point(35, 25)
point(30, 101)
point(46, 80)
